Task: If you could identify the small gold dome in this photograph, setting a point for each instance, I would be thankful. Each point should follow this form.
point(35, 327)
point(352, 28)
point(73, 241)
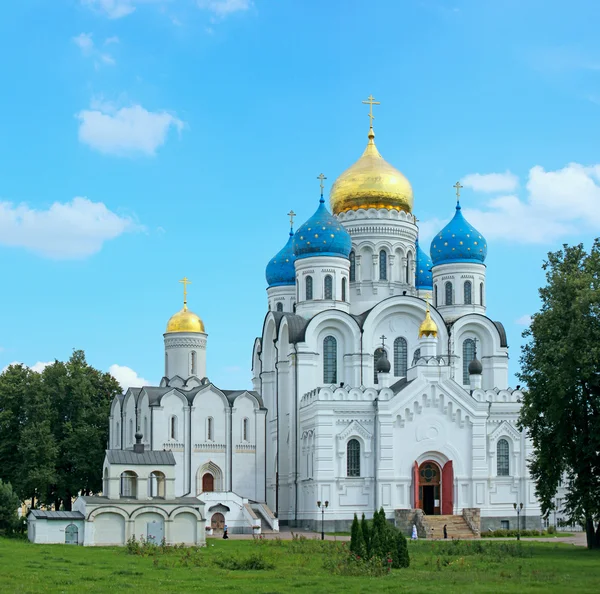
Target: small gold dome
point(371, 183)
point(185, 321)
point(428, 327)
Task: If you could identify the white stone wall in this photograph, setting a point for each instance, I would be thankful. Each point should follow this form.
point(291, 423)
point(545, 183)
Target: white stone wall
point(185, 354)
point(52, 531)
point(457, 274)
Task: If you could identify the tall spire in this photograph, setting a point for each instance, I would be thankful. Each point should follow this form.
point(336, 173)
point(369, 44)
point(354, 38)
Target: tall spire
point(428, 326)
point(291, 214)
point(370, 102)
point(458, 188)
point(185, 282)
point(322, 186)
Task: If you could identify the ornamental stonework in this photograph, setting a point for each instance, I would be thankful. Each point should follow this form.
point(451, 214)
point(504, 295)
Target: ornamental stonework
point(185, 343)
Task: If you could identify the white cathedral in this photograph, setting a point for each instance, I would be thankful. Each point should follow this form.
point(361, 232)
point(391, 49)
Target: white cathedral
point(364, 395)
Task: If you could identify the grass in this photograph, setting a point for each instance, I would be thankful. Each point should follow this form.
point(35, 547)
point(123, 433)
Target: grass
point(297, 566)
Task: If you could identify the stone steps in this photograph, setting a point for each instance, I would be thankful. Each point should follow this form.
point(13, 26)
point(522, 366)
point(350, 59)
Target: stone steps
point(455, 526)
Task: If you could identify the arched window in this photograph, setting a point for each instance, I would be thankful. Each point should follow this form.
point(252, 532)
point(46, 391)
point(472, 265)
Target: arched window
point(309, 288)
point(416, 356)
point(280, 306)
point(193, 360)
point(294, 307)
point(105, 483)
point(382, 265)
point(481, 293)
point(173, 427)
point(352, 266)
point(245, 430)
point(407, 271)
point(468, 291)
point(400, 357)
point(376, 355)
point(353, 458)
point(448, 288)
point(330, 360)
point(503, 460)
point(118, 435)
point(128, 484)
point(435, 296)
point(209, 429)
point(344, 289)
point(468, 356)
point(328, 287)
point(156, 484)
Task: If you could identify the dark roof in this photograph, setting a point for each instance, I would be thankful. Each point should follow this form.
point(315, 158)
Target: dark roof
point(400, 385)
point(147, 458)
point(502, 332)
point(43, 514)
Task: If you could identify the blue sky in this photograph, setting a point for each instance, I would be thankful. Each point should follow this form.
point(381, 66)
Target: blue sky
point(145, 140)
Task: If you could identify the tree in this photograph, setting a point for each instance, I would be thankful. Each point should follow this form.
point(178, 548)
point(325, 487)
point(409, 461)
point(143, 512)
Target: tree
point(560, 365)
point(401, 557)
point(9, 503)
point(366, 533)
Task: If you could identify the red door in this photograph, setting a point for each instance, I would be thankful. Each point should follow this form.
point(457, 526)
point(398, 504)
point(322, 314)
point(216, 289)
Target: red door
point(208, 483)
point(448, 489)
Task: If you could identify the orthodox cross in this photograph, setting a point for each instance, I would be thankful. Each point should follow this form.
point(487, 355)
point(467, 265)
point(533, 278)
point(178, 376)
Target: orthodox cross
point(322, 185)
point(185, 282)
point(370, 102)
point(383, 339)
point(458, 187)
point(291, 214)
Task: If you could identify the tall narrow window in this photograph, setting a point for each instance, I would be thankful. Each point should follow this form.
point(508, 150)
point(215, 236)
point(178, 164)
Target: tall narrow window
point(416, 356)
point(309, 288)
point(194, 365)
point(245, 430)
point(468, 291)
point(468, 356)
point(280, 306)
point(146, 434)
point(130, 431)
point(209, 429)
point(118, 435)
point(376, 355)
point(400, 357)
point(409, 278)
point(480, 293)
point(448, 288)
point(352, 266)
point(328, 288)
point(344, 289)
point(330, 360)
point(435, 297)
point(353, 458)
point(173, 427)
point(129, 484)
point(382, 265)
point(503, 461)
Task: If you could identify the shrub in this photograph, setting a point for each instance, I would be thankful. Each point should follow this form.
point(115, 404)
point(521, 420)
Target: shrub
point(254, 562)
point(9, 503)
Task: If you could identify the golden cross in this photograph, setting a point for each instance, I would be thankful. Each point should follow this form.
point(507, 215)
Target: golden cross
point(370, 102)
point(185, 282)
point(291, 214)
point(321, 177)
point(458, 187)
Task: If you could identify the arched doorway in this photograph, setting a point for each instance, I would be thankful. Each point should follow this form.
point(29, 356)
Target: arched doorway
point(429, 488)
point(71, 534)
point(217, 522)
point(208, 483)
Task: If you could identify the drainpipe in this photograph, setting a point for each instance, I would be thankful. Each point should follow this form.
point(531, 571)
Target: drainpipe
point(361, 356)
point(375, 451)
point(297, 415)
point(277, 428)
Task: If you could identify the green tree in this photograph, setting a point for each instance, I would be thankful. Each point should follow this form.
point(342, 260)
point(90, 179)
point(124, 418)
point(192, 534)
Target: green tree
point(354, 534)
point(401, 556)
point(366, 533)
point(9, 503)
point(560, 365)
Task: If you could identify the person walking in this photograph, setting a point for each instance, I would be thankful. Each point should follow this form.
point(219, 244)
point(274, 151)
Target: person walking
point(445, 531)
point(225, 536)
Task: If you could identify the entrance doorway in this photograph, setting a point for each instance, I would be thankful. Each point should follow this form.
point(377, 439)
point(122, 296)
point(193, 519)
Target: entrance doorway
point(217, 522)
point(429, 488)
point(71, 534)
point(208, 483)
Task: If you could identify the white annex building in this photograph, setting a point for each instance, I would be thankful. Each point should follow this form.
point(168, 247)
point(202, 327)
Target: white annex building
point(378, 381)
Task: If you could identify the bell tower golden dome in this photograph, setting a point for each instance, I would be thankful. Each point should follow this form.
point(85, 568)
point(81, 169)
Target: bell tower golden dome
point(185, 320)
point(428, 327)
point(371, 182)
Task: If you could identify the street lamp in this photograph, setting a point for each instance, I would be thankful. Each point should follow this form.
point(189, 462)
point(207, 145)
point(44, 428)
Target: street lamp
point(322, 507)
point(518, 508)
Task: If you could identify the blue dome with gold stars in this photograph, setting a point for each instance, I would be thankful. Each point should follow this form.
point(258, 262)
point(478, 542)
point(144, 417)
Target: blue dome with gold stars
point(280, 270)
point(424, 277)
point(458, 241)
point(322, 235)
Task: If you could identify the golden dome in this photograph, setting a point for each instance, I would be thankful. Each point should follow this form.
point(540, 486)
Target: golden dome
point(428, 327)
point(371, 183)
point(185, 321)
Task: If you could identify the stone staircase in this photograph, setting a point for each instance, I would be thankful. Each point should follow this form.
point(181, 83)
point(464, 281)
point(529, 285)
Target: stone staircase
point(456, 526)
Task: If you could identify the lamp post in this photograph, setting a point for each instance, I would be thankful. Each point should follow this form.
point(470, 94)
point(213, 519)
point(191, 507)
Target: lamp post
point(518, 508)
point(322, 507)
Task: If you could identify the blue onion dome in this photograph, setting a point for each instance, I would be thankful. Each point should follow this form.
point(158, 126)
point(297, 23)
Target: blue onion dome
point(280, 270)
point(322, 235)
point(424, 275)
point(458, 241)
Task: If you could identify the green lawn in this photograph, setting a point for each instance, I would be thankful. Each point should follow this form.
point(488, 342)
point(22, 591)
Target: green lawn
point(298, 567)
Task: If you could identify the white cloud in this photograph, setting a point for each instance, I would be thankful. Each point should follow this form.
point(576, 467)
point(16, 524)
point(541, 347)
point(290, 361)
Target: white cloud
point(126, 131)
point(491, 182)
point(523, 320)
point(85, 43)
point(127, 377)
point(223, 8)
point(71, 230)
point(113, 39)
point(556, 205)
point(38, 367)
point(116, 9)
